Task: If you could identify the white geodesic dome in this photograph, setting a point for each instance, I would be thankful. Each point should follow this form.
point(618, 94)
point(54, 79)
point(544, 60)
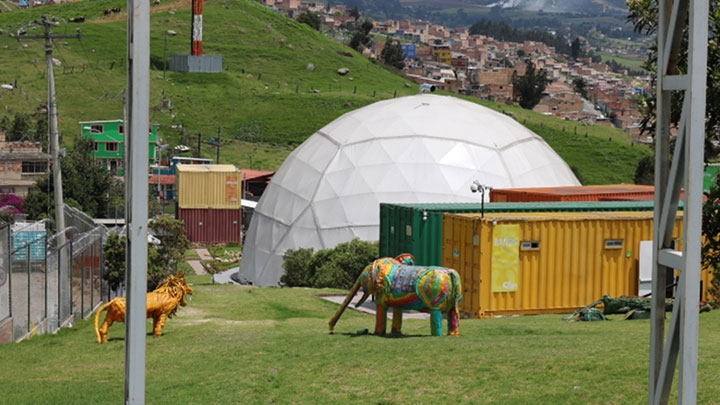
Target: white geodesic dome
point(424, 148)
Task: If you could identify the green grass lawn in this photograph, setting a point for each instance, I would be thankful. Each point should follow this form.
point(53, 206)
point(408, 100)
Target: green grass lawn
point(238, 344)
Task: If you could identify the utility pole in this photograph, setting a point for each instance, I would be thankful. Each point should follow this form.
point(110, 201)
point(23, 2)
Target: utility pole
point(199, 151)
point(217, 147)
point(48, 23)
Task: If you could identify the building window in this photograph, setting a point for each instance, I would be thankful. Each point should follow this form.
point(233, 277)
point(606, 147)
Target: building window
point(121, 129)
point(34, 167)
point(530, 245)
point(96, 147)
point(97, 129)
point(613, 244)
point(7, 190)
point(111, 147)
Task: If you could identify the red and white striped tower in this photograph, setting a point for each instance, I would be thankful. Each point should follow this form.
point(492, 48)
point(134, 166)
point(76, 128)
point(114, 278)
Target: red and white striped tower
point(197, 8)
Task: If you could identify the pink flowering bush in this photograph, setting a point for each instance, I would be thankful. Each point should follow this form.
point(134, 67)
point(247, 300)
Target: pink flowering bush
point(12, 203)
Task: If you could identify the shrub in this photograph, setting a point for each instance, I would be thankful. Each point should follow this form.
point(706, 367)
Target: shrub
point(295, 263)
point(338, 267)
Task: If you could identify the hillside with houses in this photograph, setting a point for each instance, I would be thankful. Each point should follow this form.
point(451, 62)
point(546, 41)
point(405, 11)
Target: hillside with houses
point(481, 66)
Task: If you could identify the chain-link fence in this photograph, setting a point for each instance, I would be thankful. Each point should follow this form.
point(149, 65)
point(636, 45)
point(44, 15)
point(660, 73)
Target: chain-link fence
point(51, 280)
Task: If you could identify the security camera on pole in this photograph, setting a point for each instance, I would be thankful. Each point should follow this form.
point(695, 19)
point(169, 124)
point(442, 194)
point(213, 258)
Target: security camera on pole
point(475, 187)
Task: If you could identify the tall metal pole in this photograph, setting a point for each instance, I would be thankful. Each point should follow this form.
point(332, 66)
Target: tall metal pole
point(217, 147)
point(165, 56)
point(136, 196)
point(685, 168)
point(54, 136)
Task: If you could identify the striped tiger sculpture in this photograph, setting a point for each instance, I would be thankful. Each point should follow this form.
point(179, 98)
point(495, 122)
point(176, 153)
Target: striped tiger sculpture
point(398, 283)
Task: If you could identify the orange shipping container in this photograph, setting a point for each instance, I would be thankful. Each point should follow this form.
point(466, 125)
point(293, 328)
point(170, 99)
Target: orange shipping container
point(208, 186)
point(614, 192)
point(533, 263)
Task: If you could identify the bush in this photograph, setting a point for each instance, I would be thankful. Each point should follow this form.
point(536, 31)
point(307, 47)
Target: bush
point(338, 267)
point(295, 263)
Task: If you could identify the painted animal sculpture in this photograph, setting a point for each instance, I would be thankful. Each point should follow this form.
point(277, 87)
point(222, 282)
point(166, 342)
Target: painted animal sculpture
point(162, 303)
point(398, 283)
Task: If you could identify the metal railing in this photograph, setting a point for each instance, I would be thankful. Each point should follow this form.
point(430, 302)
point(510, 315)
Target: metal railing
point(48, 282)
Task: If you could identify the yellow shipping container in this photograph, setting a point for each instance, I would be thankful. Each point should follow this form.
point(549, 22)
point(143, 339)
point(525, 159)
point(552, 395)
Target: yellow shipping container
point(533, 263)
point(208, 186)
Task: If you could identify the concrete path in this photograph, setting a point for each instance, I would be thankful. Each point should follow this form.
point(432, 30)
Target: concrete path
point(196, 264)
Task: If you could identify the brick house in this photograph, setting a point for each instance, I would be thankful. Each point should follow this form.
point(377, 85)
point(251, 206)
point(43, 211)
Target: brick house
point(21, 165)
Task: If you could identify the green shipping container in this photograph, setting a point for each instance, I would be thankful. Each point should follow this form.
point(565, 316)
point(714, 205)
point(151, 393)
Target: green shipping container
point(417, 228)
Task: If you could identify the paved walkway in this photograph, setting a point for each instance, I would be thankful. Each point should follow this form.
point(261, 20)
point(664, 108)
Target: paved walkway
point(196, 264)
point(222, 278)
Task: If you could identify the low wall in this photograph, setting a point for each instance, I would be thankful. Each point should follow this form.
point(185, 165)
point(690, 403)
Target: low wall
point(6, 331)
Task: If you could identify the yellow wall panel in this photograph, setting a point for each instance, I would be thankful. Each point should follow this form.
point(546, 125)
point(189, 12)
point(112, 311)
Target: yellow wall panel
point(208, 186)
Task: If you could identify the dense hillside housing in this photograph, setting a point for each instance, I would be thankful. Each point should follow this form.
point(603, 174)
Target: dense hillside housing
point(482, 66)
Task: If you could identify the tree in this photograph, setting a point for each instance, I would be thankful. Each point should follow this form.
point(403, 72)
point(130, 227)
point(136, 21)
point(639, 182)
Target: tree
point(581, 87)
point(644, 16)
point(576, 49)
point(84, 182)
point(361, 37)
point(163, 259)
point(711, 241)
point(528, 89)
point(311, 19)
point(114, 260)
point(393, 55)
point(645, 171)
point(20, 127)
point(355, 12)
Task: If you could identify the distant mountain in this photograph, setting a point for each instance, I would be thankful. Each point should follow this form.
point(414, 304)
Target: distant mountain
point(592, 7)
point(396, 9)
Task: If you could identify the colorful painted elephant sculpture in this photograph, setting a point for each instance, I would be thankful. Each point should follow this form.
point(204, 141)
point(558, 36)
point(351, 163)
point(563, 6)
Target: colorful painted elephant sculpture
point(398, 283)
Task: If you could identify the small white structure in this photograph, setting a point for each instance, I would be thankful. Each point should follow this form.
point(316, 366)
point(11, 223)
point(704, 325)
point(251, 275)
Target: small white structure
point(423, 148)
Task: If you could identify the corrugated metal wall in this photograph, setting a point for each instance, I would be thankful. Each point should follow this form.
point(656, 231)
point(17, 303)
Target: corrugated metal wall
point(564, 261)
point(208, 186)
point(212, 225)
point(618, 192)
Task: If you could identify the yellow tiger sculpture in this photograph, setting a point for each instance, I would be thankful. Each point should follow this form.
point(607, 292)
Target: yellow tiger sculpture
point(162, 303)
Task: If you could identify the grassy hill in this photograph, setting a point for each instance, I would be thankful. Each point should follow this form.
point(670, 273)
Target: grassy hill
point(279, 84)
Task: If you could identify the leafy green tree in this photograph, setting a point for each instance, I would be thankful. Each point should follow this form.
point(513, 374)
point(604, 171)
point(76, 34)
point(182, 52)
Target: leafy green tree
point(171, 251)
point(163, 259)
point(581, 87)
point(84, 182)
point(311, 19)
point(528, 89)
point(576, 49)
point(645, 171)
point(114, 260)
point(355, 12)
point(20, 128)
point(37, 204)
point(393, 55)
point(361, 37)
point(644, 16)
point(711, 242)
